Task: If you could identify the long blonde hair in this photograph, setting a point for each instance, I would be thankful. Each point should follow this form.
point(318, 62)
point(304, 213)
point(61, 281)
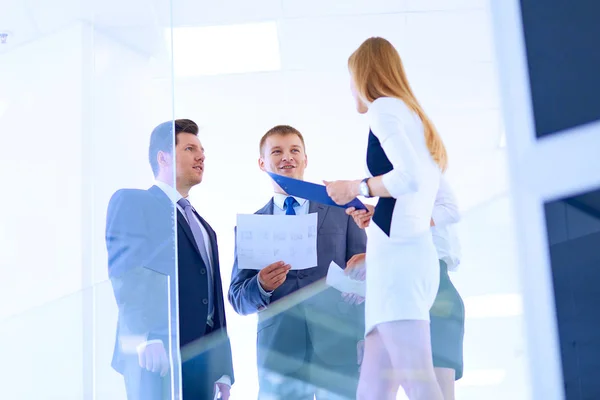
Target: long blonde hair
point(377, 71)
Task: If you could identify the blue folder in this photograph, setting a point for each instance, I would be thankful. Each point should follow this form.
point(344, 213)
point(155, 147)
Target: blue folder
point(311, 191)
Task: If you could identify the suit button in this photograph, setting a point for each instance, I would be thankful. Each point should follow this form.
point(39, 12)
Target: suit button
point(204, 301)
point(203, 271)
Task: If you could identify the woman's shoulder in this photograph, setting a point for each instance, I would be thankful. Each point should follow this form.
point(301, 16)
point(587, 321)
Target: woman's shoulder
point(389, 105)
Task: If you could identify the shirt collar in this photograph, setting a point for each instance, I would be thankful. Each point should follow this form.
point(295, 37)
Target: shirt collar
point(279, 200)
point(170, 191)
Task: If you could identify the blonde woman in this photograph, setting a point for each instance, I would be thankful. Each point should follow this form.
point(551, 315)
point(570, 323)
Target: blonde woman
point(406, 158)
point(447, 315)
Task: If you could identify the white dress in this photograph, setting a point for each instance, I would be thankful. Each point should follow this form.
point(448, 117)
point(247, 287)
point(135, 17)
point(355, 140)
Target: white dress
point(402, 264)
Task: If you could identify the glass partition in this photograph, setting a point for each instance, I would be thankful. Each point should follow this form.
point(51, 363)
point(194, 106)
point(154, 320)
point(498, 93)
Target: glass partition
point(78, 102)
point(44, 349)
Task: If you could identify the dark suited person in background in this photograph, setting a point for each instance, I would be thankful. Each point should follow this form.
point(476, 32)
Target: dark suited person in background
point(142, 249)
point(310, 347)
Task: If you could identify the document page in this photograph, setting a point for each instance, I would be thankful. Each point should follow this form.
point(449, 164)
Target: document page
point(264, 239)
point(337, 279)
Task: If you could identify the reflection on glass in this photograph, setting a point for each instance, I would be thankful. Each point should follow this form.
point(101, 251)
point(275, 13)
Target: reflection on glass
point(141, 259)
point(573, 226)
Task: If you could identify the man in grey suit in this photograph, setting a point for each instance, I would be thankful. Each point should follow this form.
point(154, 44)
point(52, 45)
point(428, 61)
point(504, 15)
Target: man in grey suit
point(310, 335)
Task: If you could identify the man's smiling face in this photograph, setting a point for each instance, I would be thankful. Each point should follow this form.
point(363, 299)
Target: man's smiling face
point(284, 155)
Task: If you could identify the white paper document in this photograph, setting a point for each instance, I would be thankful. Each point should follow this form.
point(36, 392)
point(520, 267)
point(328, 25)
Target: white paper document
point(337, 279)
point(264, 239)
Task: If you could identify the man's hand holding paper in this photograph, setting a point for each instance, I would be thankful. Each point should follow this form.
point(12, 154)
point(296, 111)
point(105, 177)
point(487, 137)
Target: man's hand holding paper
point(273, 276)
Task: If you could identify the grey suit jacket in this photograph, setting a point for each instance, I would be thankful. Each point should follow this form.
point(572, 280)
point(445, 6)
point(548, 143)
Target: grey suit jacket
point(305, 313)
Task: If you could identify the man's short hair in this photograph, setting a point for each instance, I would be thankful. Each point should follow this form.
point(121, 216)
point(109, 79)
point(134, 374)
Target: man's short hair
point(282, 130)
point(161, 138)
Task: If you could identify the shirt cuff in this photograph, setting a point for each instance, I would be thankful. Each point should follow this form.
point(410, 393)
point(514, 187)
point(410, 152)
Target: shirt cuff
point(143, 345)
point(225, 379)
point(263, 292)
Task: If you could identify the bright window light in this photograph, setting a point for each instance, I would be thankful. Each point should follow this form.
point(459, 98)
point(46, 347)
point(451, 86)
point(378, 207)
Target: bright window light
point(493, 306)
point(3, 107)
point(482, 377)
point(225, 49)
point(502, 143)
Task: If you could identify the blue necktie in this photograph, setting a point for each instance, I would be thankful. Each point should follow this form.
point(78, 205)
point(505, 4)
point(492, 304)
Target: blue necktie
point(289, 204)
point(199, 238)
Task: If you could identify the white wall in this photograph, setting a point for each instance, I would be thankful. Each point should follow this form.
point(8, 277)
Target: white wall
point(40, 210)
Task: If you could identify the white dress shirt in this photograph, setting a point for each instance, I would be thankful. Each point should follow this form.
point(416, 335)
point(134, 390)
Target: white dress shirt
point(279, 204)
point(445, 216)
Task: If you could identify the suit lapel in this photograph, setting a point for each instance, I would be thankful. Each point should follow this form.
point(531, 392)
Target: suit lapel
point(216, 273)
point(162, 198)
point(267, 209)
point(321, 210)
point(186, 228)
point(212, 236)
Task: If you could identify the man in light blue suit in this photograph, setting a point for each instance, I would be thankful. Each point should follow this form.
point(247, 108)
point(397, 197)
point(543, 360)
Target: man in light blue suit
point(309, 335)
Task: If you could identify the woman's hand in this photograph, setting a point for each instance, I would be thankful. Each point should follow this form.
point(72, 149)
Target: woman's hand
point(356, 267)
point(362, 218)
point(342, 192)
